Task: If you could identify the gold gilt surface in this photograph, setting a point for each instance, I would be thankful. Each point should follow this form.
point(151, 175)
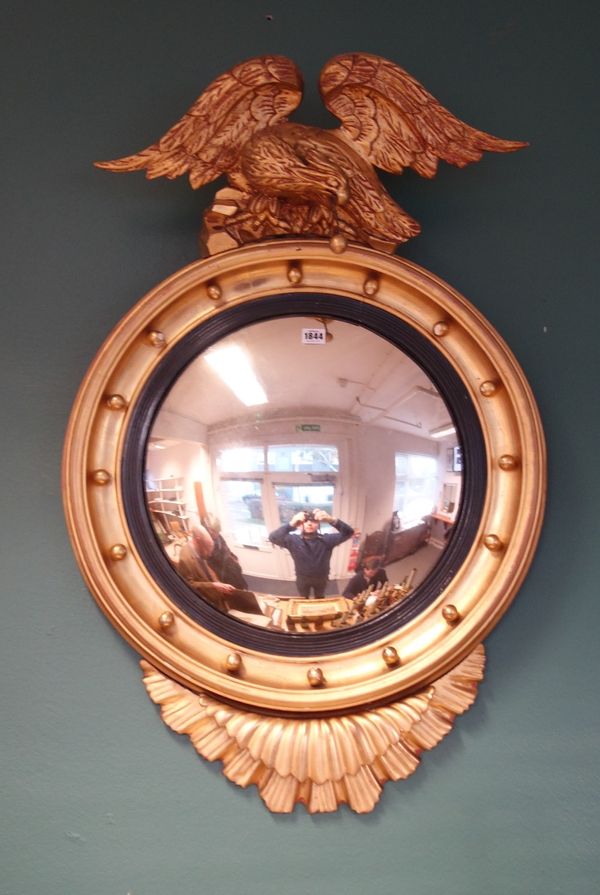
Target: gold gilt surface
point(291, 179)
point(319, 762)
point(298, 727)
point(440, 636)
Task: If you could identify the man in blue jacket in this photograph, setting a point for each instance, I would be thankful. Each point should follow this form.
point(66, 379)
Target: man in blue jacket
point(311, 550)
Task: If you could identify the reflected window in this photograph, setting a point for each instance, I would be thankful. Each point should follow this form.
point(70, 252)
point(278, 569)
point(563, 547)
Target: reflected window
point(292, 499)
point(243, 504)
point(303, 458)
point(416, 487)
point(254, 504)
point(241, 459)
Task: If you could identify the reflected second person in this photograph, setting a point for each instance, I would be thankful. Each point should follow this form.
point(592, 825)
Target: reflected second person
point(195, 567)
point(371, 575)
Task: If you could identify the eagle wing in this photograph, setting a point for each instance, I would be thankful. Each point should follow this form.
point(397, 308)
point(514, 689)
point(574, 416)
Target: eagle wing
point(207, 141)
point(394, 122)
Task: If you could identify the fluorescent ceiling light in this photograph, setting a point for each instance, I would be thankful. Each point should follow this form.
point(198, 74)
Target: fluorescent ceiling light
point(234, 367)
point(442, 431)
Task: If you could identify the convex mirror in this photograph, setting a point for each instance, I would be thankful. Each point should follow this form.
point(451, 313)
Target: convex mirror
point(160, 444)
point(295, 415)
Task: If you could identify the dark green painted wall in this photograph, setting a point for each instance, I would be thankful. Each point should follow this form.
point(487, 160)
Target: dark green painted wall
point(98, 797)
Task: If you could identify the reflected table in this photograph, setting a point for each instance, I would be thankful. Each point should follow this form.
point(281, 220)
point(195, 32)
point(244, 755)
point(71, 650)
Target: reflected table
point(298, 615)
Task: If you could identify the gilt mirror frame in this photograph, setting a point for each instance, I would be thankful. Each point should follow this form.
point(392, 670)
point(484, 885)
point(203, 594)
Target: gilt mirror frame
point(236, 325)
point(393, 656)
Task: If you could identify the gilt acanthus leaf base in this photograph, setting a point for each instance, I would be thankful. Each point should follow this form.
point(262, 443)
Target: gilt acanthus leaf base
point(320, 762)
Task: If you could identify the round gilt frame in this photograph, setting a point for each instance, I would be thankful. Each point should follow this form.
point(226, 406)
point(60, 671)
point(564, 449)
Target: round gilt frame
point(405, 658)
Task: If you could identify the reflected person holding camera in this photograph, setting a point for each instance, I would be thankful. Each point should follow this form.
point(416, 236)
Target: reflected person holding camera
point(311, 550)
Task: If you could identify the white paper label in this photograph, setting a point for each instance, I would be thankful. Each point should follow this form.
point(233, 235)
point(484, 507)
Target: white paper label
point(315, 336)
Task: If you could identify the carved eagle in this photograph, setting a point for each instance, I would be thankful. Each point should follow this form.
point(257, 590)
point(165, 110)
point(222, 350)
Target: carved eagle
point(292, 179)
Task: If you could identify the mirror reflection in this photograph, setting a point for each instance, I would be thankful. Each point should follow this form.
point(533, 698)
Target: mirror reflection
point(303, 474)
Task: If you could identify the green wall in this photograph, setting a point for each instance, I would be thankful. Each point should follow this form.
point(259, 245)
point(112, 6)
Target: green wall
point(98, 797)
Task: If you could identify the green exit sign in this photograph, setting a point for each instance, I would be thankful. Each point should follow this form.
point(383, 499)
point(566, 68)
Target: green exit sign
point(308, 427)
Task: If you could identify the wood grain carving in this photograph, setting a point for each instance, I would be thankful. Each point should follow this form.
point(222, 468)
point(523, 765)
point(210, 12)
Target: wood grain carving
point(289, 179)
point(320, 762)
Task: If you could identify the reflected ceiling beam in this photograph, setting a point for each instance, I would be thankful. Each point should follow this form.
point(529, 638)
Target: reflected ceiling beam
point(388, 364)
point(299, 416)
point(418, 390)
point(386, 412)
point(344, 383)
point(169, 425)
point(383, 415)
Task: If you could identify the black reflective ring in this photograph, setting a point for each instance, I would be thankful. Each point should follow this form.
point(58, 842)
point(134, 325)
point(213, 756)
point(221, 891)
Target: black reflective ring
point(402, 336)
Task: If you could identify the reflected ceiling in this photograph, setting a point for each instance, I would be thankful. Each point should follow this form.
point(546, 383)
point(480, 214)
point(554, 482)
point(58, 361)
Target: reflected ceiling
point(355, 374)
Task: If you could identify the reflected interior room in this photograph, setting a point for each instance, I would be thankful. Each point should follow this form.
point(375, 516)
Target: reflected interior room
point(292, 415)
